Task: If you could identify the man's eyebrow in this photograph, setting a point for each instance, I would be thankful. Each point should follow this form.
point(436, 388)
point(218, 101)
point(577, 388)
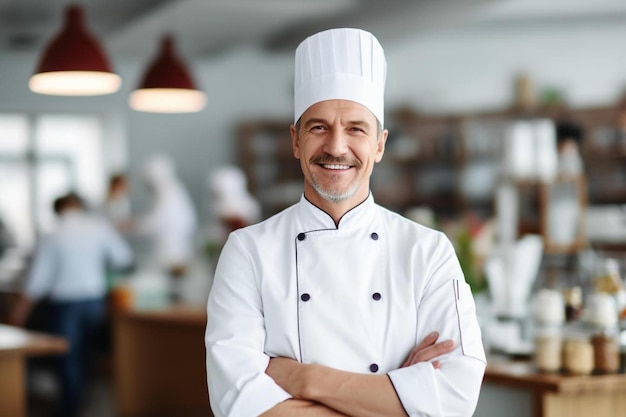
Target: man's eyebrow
point(358, 123)
point(314, 121)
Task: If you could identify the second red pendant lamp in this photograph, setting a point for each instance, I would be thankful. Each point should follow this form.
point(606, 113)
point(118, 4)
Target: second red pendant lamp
point(167, 85)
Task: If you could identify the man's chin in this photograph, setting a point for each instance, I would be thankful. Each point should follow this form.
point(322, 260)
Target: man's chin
point(336, 196)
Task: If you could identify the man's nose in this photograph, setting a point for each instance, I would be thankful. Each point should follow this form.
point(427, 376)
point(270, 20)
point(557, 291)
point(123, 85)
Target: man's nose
point(336, 143)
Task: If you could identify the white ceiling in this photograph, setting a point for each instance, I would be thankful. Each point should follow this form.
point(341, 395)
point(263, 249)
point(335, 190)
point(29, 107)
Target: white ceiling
point(204, 27)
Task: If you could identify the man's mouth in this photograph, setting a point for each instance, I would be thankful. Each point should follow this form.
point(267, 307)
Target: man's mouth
point(335, 166)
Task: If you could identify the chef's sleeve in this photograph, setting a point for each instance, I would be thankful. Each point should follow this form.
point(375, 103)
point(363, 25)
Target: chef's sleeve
point(235, 336)
point(447, 306)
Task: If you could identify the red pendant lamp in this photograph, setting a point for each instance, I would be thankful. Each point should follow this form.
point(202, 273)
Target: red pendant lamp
point(167, 86)
point(74, 63)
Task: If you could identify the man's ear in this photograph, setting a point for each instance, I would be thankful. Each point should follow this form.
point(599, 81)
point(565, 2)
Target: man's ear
point(294, 141)
point(382, 140)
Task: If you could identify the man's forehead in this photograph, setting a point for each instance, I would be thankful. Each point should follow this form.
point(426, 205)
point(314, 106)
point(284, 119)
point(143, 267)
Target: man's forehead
point(347, 111)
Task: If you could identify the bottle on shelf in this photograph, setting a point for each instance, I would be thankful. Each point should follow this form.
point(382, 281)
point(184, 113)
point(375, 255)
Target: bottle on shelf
point(573, 297)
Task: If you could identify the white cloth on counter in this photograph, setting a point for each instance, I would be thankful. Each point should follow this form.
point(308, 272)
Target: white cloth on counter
point(357, 297)
point(70, 263)
point(171, 222)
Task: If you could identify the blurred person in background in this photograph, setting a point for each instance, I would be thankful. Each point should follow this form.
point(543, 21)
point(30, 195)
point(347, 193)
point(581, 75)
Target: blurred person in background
point(337, 306)
point(6, 238)
point(231, 206)
point(69, 268)
point(117, 204)
point(170, 223)
point(569, 136)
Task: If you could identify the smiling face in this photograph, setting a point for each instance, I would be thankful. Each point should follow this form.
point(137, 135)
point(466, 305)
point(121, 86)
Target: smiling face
point(338, 143)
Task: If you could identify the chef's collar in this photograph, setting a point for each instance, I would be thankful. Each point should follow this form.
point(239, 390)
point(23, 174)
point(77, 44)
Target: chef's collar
point(314, 218)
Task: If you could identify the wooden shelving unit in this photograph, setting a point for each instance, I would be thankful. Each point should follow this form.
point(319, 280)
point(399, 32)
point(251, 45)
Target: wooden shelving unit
point(265, 155)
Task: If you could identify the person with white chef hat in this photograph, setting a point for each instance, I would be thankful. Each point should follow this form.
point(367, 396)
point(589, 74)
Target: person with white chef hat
point(337, 306)
point(171, 221)
point(233, 206)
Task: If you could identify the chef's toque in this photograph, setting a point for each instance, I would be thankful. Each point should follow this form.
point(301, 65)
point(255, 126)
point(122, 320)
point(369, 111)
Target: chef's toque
point(230, 195)
point(159, 170)
point(344, 64)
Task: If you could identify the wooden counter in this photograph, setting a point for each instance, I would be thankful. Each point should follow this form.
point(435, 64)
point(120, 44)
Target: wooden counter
point(561, 395)
point(159, 362)
point(16, 345)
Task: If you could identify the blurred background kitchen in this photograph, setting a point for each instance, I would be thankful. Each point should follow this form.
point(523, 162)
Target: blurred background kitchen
point(507, 124)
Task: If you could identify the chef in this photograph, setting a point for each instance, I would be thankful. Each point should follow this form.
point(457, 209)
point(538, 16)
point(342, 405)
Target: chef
point(232, 205)
point(337, 306)
point(171, 221)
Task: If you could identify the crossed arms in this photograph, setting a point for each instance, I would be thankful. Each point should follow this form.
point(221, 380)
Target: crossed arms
point(322, 391)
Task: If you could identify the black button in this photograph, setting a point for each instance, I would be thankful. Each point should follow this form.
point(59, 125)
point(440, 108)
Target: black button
point(305, 297)
point(301, 236)
point(374, 236)
point(376, 296)
point(374, 368)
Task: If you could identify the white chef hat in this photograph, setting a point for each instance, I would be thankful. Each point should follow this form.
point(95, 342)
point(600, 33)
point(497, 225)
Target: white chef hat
point(230, 195)
point(346, 64)
point(159, 170)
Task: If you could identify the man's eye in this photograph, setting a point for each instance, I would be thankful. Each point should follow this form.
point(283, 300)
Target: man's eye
point(318, 127)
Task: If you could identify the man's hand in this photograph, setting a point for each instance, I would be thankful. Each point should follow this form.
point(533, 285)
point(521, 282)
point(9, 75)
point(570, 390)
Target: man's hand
point(428, 349)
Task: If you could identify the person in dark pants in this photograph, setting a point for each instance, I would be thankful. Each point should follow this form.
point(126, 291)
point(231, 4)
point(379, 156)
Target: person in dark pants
point(69, 268)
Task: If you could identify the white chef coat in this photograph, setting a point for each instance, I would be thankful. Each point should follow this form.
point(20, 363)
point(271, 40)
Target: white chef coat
point(70, 263)
point(171, 224)
point(357, 297)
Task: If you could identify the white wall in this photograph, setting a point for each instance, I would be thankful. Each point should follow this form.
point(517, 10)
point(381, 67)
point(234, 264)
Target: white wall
point(474, 69)
point(452, 71)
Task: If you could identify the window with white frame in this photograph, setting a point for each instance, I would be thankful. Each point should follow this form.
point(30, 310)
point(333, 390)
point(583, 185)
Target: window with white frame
point(42, 157)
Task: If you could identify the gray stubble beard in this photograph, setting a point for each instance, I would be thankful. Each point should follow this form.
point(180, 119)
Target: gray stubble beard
point(332, 195)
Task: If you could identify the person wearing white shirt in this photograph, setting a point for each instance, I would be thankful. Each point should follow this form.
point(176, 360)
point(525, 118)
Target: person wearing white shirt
point(170, 223)
point(69, 268)
point(337, 306)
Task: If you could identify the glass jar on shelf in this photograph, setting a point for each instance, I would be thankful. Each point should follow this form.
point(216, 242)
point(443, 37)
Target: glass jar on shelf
point(548, 348)
point(548, 314)
point(606, 348)
point(602, 318)
point(578, 351)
